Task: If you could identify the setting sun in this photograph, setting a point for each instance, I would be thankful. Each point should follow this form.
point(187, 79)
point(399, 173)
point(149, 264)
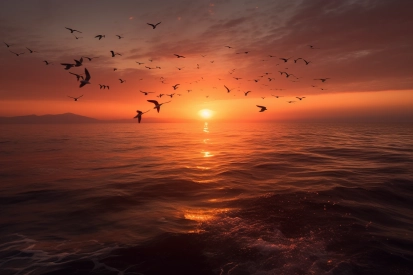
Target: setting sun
point(205, 113)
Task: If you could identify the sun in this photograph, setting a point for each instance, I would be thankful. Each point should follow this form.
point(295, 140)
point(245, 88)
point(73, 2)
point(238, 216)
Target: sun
point(205, 113)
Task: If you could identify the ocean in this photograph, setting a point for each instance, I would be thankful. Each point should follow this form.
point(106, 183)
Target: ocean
point(206, 198)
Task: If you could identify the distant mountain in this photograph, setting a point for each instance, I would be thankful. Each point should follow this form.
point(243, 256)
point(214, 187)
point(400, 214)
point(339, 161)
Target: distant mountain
point(48, 119)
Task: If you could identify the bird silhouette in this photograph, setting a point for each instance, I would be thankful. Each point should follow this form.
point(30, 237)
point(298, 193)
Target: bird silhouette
point(67, 65)
point(263, 108)
point(228, 89)
point(73, 30)
point(31, 51)
point(157, 105)
point(75, 98)
point(179, 56)
point(146, 93)
point(300, 98)
point(139, 115)
point(100, 36)
point(153, 25)
point(121, 80)
point(175, 86)
point(85, 81)
point(17, 54)
point(322, 79)
point(114, 54)
point(119, 36)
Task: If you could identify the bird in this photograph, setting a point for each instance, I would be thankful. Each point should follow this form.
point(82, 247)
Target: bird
point(7, 45)
point(77, 37)
point(153, 25)
point(119, 36)
point(247, 92)
point(312, 47)
point(90, 58)
point(73, 30)
point(306, 62)
point(68, 65)
point(113, 53)
point(139, 115)
point(322, 79)
point(78, 62)
point(171, 95)
point(175, 86)
point(157, 105)
point(17, 54)
point(229, 47)
point(102, 86)
point(277, 96)
point(300, 98)
point(139, 63)
point(85, 81)
point(295, 60)
point(228, 89)
point(285, 59)
point(263, 108)
point(100, 36)
point(47, 62)
point(179, 56)
point(75, 98)
point(31, 51)
point(78, 76)
point(291, 101)
point(121, 80)
point(146, 93)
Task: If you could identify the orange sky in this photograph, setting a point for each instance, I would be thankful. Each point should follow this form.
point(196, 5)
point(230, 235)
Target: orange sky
point(361, 46)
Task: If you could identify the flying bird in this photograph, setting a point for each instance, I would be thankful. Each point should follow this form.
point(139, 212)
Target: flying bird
point(75, 98)
point(85, 81)
point(146, 93)
point(228, 89)
point(121, 80)
point(171, 95)
point(322, 79)
point(179, 56)
point(157, 105)
point(285, 59)
point(68, 65)
point(153, 25)
point(263, 108)
point(100, 36)
point(175, 86)
point(300, 98)
point(31, 51)
point(77, 37)
point(47, 62)
point(17, 54)
point(7, 45)
point(73, 30)
point(247, 92)
point(139, 115)
point(90, 58)
point(113, 53)
point(78, 62)
point(119, 36)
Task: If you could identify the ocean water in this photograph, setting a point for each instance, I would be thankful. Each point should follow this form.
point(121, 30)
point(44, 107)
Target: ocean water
point(206, 198)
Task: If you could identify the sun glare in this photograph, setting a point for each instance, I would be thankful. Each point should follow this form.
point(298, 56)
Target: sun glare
point(205, 113)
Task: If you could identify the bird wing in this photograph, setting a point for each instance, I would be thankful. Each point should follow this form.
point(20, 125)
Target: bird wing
point(153, 101)
point(87, 74)
point(261, 106)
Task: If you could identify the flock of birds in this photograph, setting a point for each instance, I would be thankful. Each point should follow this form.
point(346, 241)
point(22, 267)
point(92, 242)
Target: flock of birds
point(84, 79)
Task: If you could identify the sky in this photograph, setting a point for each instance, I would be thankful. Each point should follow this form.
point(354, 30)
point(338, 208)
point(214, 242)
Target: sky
point(363, 47)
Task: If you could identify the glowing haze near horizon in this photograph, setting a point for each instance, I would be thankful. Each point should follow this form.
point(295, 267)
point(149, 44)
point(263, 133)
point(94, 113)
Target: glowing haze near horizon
point(363, 47)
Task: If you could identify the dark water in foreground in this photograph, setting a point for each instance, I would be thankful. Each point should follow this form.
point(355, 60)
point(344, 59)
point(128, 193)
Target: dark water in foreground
point(225, 199)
